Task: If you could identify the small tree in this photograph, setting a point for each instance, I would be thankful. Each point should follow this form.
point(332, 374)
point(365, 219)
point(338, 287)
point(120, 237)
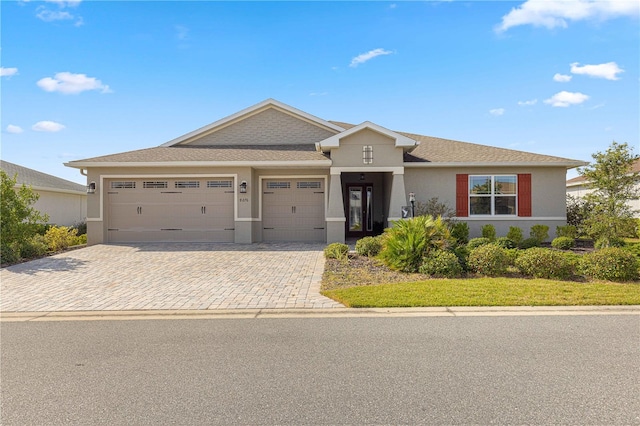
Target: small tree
point(613, 184)
point(434, 208)
point(18, 220)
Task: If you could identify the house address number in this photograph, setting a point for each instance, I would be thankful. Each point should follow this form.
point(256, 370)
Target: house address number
point(243, 200)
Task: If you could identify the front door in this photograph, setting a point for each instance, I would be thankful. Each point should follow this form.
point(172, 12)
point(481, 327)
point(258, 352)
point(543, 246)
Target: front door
point(359, 210)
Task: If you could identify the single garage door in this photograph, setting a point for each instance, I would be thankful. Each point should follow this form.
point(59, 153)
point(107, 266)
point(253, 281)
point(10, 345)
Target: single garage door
point(141, 210)
point(293, 210)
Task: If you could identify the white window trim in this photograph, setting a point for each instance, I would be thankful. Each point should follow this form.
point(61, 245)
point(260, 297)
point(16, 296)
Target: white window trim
point(492, 197)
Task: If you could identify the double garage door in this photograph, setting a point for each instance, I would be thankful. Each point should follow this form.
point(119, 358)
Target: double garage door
point(293, 210)
point(141, 210)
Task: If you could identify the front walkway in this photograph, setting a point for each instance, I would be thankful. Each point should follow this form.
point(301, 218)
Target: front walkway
point(168, 276)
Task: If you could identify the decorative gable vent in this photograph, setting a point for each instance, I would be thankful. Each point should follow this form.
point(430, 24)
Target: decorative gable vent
point(367, 154)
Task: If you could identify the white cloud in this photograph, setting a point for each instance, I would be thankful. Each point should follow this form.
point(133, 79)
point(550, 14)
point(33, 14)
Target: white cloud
point(47, 126)
point(47, 15)
point(609, 71)
point(565, 99)
point(364, 57)
point(69, 83)
point(556, 13)
point(182, 32)
point(527, 103)
point(65, 3)
point(393, 6)
point(14, 129)
point(562, 78)
point(8, 72)
point(496, 112)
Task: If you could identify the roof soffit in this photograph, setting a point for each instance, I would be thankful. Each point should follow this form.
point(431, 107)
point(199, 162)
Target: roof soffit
point(249, 112)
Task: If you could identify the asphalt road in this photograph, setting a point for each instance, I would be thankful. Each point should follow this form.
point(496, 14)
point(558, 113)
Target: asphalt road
point(480, 370)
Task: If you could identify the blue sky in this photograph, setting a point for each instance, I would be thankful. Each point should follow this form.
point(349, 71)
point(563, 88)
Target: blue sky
point(87, 78)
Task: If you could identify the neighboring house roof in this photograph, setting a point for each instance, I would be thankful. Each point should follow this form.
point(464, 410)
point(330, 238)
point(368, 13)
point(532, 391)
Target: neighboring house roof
point(39, 180)
point(427, 151)
point(579, 180)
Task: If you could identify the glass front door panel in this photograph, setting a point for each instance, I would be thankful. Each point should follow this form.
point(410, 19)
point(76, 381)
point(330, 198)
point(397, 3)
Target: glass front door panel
point(355, 209)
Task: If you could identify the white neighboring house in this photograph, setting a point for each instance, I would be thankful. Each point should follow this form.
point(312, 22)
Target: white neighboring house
point(577, 187)
point(64, 201)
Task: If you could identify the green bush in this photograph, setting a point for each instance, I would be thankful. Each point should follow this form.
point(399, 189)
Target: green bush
point(512, 255)
point(563, 243)
point(460, 231)
point(505, 242)
point(633, 248)
point(488, 259)
point(368, 246)
point(609, 242)
point(78, 240)
point(59, 237)
point(336, 251)
point(611, 263)
point(441, 263)
point(462, 253)
point(515, 234)
point(489, 231)
point(81, 227)
point(477, 242)
point(569, 231)
point(33, 247)
point(546, 263)
point(528, 243)
point(9, 252)
point(539, 232)
point(408, 241)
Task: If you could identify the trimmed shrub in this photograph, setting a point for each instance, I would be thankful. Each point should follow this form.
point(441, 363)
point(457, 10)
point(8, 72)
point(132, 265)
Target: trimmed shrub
point(336, 251)
point(78, 240)
point(368, 246)
point(441, 263)
point(611, 263)
point(489, 231)
point(515, 234)
point(528, 243)
point(609, 242)
point(563, 243)
point(59, 237)
point(462, 253)
point(505, 242)
point(512, 255)
point(633, 248)
point(488, 259)
point(477, 242)
point(546, 263)
point(569, 231)
point(408, 241)
point(539, 232)
point(81, 227)
point(33, 247)
point(460, 231)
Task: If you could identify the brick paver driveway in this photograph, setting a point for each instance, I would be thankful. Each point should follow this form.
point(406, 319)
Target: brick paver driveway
point(168, 276)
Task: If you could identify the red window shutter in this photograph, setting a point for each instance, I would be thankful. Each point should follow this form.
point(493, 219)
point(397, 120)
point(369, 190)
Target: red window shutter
point(462, 195)
point(524, 195)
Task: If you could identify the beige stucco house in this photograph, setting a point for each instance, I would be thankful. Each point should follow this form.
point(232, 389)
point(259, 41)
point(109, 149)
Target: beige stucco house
point(274, 173)
point(65, 202)
point(577, 187)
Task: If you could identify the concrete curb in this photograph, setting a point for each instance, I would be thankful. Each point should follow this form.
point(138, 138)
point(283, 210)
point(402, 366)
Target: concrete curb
point(459, 311)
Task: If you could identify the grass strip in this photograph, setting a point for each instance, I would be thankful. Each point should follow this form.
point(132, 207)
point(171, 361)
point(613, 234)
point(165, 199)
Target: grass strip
point(487, 292)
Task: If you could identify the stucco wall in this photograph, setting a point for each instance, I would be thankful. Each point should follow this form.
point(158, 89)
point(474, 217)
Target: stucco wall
point(63, 209)
point(547, 194)
point(269, 127)
point(349, 154)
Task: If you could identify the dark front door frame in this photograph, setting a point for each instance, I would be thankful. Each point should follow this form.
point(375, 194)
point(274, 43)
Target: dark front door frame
point(358, 209)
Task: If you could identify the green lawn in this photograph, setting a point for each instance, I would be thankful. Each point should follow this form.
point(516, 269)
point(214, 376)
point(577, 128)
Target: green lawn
point(487, 292)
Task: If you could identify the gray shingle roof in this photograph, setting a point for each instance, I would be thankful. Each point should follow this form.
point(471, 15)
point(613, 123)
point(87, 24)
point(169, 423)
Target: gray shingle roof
point(431, 150)
point(35, 178)
point(245, 153)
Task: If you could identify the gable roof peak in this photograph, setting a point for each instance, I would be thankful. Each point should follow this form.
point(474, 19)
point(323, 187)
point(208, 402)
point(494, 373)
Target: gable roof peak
point(402, 141)
point(252, 110)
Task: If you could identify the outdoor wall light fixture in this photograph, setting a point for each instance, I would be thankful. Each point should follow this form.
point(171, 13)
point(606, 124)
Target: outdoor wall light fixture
point(412, 200)
point(91, 188)
point(243, 187)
